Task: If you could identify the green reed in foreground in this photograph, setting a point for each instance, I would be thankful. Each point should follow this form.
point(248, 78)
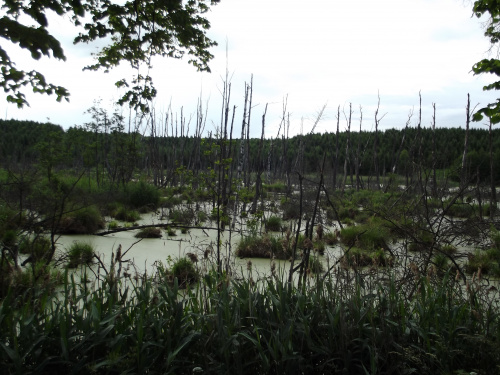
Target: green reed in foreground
point(224, 326)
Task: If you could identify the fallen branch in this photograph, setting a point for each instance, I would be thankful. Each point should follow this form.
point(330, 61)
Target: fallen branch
point(170, 225)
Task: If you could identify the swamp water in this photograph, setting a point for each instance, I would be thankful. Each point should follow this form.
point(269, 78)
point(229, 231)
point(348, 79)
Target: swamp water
point(143, 254)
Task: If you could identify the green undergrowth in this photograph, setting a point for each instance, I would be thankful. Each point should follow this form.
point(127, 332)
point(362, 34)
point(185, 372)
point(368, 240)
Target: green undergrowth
point(228, 326)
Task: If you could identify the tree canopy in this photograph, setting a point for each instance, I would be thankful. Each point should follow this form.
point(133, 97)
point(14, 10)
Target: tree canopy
point(490, 8)
point(136, 31)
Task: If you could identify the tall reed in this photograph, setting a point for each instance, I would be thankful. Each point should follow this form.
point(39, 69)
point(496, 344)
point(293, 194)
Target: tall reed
point(246, 326)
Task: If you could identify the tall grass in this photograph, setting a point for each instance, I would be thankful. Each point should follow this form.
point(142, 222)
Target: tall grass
point(225, 326)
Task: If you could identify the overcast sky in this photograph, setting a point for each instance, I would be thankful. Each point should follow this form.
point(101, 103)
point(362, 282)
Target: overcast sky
point(315, 53)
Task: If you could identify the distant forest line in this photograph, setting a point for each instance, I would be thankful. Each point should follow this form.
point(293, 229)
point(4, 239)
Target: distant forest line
point(120, 154)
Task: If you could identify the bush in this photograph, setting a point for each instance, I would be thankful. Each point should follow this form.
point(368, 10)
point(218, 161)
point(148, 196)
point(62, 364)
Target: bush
point(315, 265)
point(87, 220)
point(291, 210)
point(262, 247)
point(124, 214)
point(80, 253)
point(273, 224)
point(38, 275)
point(184, 270)
point(330, 238)
point(112, 225)
point(320, 247)
point(38, 248)
point(184, 216)
point(277, 187)
point(357, 257)
point(365, 236)
point(148, 233)
point(201, 216)
point(171, 232)
point(142, 194)
point(486, 260)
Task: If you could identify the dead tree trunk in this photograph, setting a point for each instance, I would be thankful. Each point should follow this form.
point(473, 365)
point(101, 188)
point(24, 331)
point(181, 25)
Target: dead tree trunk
point(375, 149)
point(347, 151)
point(336, 158)
point(434, 152)
point(493, 199)
point(247, 156)
point(359, 184)
point(258, 181)
point(463, 175)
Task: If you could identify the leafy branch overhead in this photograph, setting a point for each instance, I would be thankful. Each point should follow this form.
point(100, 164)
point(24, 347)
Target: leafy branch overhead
point(137, 31)
point(490, 8)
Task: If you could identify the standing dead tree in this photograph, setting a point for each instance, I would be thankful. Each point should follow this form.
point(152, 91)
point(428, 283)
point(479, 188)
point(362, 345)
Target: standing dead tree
point(347, 151)
point(434, 152)
point(359, 182)
point(375, 146)
point(336, 157)
point(493, 198)
point(258, 180)
point(463, 173)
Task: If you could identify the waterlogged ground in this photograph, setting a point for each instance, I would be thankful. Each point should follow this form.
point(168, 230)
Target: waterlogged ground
point(144, 254)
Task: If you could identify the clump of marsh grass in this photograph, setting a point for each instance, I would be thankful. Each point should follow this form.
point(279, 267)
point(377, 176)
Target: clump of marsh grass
point(80, 253)
point(262, 247)
point(150, 232)
point(273, 224)
point(369, 236)
point(87, 220)
point(124, 214)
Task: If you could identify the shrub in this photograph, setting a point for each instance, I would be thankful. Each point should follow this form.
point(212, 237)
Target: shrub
point(347, 213)
point(148, 233)
point(112, 225)
point(315, 265)
point(39, 274)
point(262, 247)
point(87, 220)
point(184, 270)
point(273, 224)
point(277, 187)
point(170, 202)
point(441, 262)
point(291, 210)
point(9, 237)
point(224, 219)
point(124, 214)
point(320, 247)
point(80, 253)
point(184, 216)
point(171, 232)
point(142, 194)
point(486, 260)
point(357, 257)
point(366, 236)
point(38, 248)
point(330, 238)
point(201, 216)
